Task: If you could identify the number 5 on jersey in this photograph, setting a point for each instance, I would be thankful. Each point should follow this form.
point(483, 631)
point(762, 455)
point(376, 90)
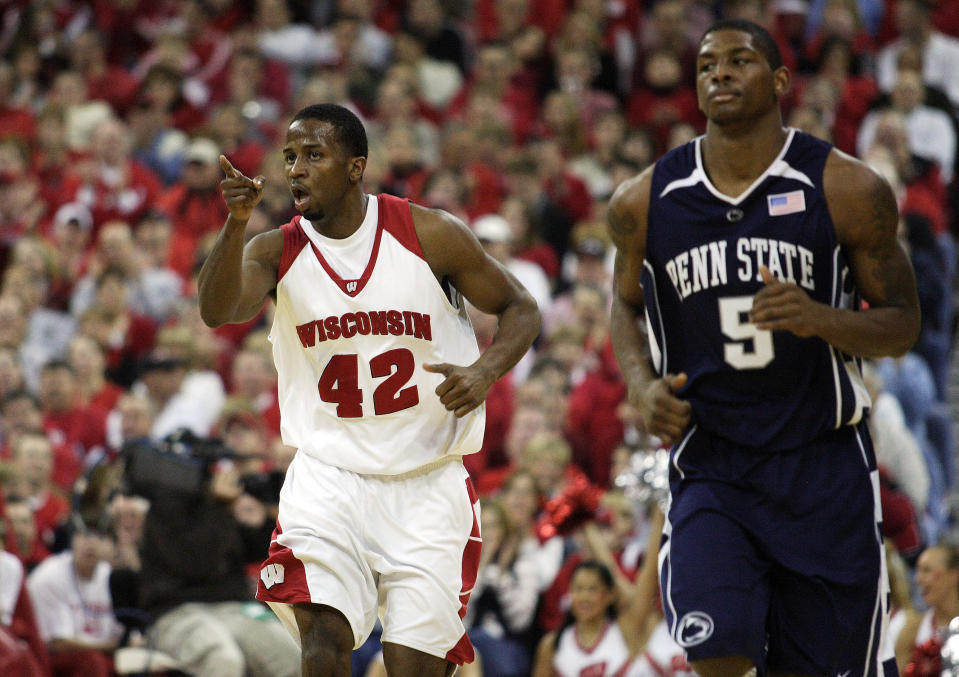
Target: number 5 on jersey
point(732, 310)
point(339, 383)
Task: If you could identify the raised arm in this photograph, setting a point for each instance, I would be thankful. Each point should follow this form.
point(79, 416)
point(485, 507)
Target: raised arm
point(455, 254)
point(665, 415)
point(641, 606)
point(235, 280)
point(866, 218)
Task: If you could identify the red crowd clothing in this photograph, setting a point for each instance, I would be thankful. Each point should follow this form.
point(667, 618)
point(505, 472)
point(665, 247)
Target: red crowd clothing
point(107, 203)
point(82, 663)
point(23, 627)
point(16, 122)
point(116, 86)
point(499, 411)
point(593, 428)
point(193, 213)
point(659, 111)
point(546, 14)
point(16, 657)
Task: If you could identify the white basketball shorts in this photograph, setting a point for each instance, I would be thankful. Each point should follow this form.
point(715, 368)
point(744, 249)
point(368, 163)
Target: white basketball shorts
point(407, 549)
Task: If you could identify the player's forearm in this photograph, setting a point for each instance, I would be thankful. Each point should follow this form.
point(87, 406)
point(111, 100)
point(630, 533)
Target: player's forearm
point(630, 344)
point(219, 281)
point(519, 325)
point(873, 333)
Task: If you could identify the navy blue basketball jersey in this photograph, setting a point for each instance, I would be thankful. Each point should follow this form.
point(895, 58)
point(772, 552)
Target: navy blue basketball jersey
point(756, 388)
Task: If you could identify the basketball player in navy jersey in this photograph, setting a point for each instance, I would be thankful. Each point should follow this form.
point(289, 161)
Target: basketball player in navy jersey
point(742, 257)
point(381, 388)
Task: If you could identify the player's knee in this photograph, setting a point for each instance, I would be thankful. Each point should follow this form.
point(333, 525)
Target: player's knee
point(325, 634)
point(726, 666)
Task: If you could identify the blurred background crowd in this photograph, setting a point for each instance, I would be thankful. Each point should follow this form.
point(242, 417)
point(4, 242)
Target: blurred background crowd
point(519, 116)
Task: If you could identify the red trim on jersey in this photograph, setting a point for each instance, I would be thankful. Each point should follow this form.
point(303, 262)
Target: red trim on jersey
point(353, 287)
point(397, 217)
point(622, 671)
point(589, 650)
point(660, 670)
point(294, 239)
point(293, 589)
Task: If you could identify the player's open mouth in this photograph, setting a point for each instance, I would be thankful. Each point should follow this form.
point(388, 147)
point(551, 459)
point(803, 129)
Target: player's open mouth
point(301, 198)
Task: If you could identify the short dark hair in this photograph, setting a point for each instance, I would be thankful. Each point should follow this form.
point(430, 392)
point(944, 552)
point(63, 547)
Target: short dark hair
point(763, 40)
point(349, 130)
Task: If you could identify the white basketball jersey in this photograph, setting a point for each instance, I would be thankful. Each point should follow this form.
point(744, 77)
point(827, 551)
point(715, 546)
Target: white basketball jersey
point(350, 352)
point(663, 657)
point(609, 657)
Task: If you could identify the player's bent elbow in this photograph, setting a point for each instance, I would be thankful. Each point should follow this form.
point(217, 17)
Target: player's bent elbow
point(213, 317)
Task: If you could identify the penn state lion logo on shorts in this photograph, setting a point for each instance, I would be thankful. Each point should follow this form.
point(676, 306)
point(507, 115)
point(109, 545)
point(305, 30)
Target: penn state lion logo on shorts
point(694, 628)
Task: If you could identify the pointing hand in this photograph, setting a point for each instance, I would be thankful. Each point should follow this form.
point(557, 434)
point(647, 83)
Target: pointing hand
point(240, 192)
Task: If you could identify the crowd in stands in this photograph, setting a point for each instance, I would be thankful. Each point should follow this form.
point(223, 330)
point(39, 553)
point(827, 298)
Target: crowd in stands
point(520, 117)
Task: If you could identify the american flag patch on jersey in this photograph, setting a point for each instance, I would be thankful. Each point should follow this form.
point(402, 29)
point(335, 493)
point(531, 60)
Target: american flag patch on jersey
point(786, 203)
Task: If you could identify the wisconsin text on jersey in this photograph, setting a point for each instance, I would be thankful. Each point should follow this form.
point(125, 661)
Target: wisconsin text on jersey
point(705, 266)
point(375, 322)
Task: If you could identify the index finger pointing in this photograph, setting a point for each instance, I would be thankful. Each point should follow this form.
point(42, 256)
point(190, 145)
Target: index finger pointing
point(228, 168)
point(768, 277)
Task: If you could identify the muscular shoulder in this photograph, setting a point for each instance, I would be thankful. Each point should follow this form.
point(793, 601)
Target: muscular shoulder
point(860, 200)
point(629, 207)
point(445, 239)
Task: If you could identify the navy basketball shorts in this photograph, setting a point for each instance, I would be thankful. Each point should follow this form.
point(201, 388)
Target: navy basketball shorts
point(777, 557)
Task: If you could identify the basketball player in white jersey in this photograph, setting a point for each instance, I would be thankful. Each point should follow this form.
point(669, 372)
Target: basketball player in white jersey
point(381, 389)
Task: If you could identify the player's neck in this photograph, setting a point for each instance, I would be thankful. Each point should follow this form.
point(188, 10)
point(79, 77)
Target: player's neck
point(740, 154)
point(346, 218)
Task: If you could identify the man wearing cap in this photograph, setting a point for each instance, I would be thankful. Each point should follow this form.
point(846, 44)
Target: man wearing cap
point(193, 203)
point(496, 235)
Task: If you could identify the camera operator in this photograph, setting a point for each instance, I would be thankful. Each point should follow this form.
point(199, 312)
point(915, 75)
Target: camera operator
point(193, 580)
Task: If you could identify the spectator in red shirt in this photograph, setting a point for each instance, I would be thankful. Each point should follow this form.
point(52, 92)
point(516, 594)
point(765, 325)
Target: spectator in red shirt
point(566, 189)
point(253, 378)
point(241, 143)
point(14, 121)
point(498, 18)
point(23, 539)
point(192, 203)
point(21, 206)
point(32, 480)
point(95, 393)
point(105, 81)
point(493, 79)
point(664, 98)
point(550, 221)
point(52, 157)
point(22, 652)
point(118, 187)
point(125, 335)
point(68, 422)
